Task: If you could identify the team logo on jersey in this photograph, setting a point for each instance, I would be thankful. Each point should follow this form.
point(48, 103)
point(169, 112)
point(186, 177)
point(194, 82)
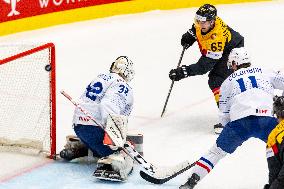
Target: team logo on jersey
point(85, 119)
point(213, 36)
point(13, 4)
point(261, 111)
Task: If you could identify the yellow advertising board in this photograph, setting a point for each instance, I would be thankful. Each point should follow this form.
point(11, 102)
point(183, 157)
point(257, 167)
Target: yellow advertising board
point(23, 15)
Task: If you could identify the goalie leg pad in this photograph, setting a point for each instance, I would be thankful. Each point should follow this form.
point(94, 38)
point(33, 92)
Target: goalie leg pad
point(115, 167)
point(106, 172)
point(74, 148)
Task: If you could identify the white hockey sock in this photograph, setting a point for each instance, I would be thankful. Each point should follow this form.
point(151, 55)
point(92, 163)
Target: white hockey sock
point(207, 162)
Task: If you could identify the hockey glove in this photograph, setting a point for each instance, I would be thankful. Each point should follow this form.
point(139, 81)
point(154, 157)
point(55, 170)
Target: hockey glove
point(188, 39)
point(178, 73)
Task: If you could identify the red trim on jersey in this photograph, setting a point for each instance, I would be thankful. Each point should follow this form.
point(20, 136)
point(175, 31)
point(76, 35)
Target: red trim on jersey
point(275, 149)
point(203, 166)
point(216, 90)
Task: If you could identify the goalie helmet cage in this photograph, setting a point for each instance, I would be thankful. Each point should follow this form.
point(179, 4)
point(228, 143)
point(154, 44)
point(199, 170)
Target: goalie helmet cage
point(28, 98)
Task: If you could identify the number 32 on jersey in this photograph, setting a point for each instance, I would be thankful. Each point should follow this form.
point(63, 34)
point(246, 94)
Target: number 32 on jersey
point(94, 89)
point(123, 89)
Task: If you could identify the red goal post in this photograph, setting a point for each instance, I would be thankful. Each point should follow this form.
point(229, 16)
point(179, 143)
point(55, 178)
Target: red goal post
point(28, 98)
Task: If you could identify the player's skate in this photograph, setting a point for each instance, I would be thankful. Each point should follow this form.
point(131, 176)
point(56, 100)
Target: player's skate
point(191, 183)
point(74, 148)
point(218, 128)
point(115, 167)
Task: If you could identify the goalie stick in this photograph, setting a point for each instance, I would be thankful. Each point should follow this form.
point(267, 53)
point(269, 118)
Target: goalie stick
point(151, 173)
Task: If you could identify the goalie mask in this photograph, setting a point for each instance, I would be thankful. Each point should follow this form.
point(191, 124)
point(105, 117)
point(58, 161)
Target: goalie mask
point(123, 66)
point(238, 56)
point(278, 106)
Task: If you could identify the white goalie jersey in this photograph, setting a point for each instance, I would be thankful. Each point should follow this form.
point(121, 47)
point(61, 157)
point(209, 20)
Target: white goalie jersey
point(107, 94)
point(248, 91)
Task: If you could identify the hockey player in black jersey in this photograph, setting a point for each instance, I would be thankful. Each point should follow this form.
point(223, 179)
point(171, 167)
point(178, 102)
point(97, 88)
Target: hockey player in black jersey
point(275, 148)
point(216, 40)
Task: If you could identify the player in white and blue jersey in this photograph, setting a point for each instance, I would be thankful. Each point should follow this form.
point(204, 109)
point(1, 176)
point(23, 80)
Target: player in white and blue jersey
point(107, 97)
point(246, 104)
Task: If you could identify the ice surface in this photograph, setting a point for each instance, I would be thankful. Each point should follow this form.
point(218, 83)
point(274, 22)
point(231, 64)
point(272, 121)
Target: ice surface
point(152, 41)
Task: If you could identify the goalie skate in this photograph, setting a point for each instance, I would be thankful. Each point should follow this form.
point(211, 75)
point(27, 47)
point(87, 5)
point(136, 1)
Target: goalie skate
point(107, 173)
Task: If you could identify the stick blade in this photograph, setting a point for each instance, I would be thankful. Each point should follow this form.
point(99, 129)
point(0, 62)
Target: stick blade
point(162, 176)
point(152, 179)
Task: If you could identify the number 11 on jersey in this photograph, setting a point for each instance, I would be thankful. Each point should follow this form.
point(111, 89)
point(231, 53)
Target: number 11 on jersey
point(242, 83)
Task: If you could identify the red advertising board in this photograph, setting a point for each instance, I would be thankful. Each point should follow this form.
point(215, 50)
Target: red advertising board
point(17, 9)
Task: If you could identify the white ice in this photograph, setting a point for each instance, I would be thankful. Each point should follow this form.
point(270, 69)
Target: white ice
point(152, 41)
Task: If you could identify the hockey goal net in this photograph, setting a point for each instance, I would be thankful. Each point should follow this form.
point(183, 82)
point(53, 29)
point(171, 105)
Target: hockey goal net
point(27, 99)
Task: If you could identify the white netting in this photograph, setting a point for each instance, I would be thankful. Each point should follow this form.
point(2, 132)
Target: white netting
point(25, 97)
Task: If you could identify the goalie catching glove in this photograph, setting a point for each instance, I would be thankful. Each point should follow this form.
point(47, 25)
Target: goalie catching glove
point(178, 73)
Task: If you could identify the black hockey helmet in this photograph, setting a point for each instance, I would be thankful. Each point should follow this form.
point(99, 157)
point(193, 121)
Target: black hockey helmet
point(278, 106)
point(206, 12)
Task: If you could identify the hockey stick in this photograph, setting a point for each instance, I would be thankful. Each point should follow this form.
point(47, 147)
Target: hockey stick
point(172, 84)
point(111, 132)
point(179, 169)
point(150, 170)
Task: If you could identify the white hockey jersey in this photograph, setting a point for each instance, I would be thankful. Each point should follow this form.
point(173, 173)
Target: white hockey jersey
point(107, 94)
point(248, 91)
